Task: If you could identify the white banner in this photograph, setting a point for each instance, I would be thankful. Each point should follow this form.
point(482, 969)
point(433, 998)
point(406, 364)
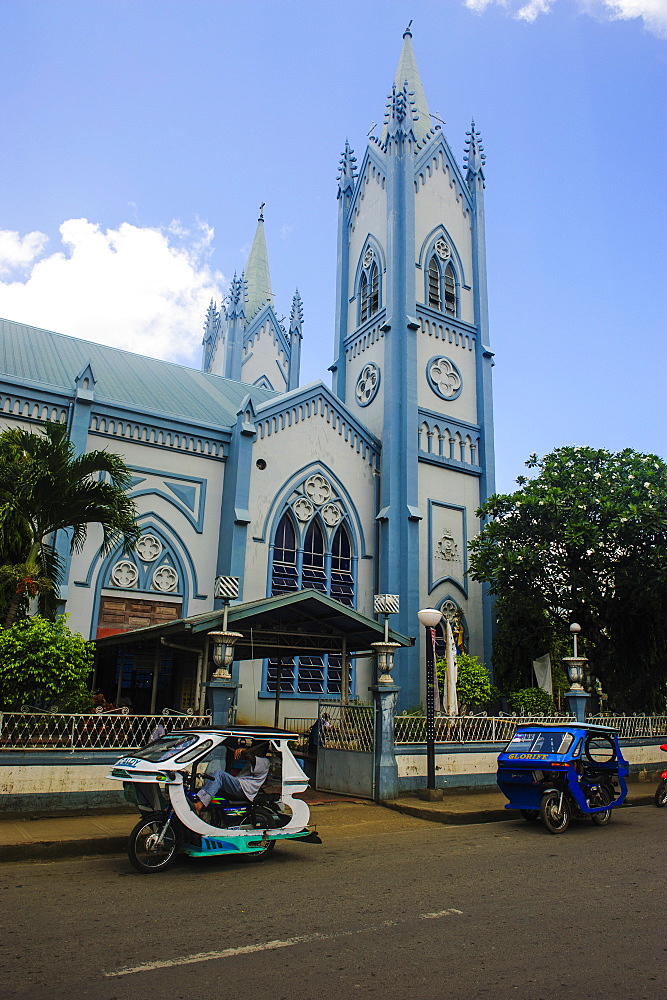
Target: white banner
point(542, 668)
point(452, 705)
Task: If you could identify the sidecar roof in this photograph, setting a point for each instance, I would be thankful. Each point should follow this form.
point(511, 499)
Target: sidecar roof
point(248, 732)
point(566, 724)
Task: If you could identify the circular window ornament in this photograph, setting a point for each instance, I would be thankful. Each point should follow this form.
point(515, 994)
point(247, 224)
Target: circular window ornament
point(318, 489)
point(369, 257)
point(442, 249)
point(331, 514)
point(444, 378)
point(368, 384)
point(148, 548)
point(303, 509)
point(165, 578)
point(124, 574)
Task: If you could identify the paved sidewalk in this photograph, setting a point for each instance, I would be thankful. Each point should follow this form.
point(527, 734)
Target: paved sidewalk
point(80, 836)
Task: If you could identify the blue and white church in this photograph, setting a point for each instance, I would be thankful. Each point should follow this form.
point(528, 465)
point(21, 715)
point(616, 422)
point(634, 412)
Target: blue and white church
point(368, 487)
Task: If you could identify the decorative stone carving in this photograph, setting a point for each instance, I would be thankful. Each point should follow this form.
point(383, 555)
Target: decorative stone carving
point(124, 574)
point(368, 384)
point(331, 514)
point(444, 378)
point(148, 548)
point(303, 509)
point(447, 548)
point(318, 489)
point(450, 611)
point(442, 249)
point(165, 578)
point(368, 257)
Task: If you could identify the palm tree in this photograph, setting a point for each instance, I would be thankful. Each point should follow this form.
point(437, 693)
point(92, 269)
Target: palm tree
point(45, 487)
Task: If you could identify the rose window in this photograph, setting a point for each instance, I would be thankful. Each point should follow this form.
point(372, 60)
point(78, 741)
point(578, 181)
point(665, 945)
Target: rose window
point(442, 250)
point(303, 509)
point(368, 384)
point(148, 548)
point(124, 574)
point(318, 489)
point(165, 578)
point(444, 378)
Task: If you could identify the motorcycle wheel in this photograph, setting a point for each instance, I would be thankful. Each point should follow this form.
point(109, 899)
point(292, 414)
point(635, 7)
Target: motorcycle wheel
point(660, 798)
point(602, 818)
point(143, 849)
point(530, 815)
point(264, 820)
point(556, 820)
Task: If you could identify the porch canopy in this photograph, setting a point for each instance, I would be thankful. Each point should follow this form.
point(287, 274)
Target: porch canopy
point(303, 623)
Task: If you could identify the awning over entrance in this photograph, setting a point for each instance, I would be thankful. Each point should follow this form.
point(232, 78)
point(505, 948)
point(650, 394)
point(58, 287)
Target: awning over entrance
point(305, 622)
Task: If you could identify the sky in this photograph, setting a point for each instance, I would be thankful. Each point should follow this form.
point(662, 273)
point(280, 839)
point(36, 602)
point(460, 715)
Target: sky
point(141, 137)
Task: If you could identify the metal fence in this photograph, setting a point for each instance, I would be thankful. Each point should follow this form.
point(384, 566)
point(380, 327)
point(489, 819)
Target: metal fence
point(300, 726)
point(89, 731)
point(490, 729)
point(347, 727)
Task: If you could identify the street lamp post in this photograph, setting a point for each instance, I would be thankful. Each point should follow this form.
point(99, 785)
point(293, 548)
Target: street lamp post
point(429, 618)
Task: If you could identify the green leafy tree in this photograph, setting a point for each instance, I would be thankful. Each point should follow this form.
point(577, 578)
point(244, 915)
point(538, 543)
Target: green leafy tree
point(473, 686)
point(44, 488)
point(43, 661)
point(584, 540)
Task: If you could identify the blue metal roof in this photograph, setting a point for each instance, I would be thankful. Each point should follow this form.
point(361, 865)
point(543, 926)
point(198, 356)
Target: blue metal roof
point(29, 354)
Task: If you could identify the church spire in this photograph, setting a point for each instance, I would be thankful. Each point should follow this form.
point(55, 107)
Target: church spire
point(473, 157)
point(348, 170)
point(407, 72)
point(257, 276)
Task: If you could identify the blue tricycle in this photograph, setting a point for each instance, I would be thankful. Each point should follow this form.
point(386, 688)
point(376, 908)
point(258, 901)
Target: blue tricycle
point(559, 771)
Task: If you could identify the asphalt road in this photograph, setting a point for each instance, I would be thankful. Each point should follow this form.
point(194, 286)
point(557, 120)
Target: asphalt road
point(388, 907)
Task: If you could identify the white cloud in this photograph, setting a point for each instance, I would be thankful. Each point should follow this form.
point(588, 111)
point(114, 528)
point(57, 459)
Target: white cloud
point(17, 252)
point(143, 290)
point(653, 12)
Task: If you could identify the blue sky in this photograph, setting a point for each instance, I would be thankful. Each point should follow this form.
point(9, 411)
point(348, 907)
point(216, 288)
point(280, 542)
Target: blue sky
point(165, 124)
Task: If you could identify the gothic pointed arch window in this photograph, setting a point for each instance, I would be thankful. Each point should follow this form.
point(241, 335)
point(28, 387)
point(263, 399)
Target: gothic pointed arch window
point(369, 287)
point(434, 298)
point(312, 550)
point(450, 290)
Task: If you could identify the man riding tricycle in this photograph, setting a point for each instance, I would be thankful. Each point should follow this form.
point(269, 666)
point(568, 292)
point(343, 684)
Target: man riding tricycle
point(557, 771)
point(205, 792)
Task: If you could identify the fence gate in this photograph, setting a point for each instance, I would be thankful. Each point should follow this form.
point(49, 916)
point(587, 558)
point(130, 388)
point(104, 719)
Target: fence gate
point(346, 751)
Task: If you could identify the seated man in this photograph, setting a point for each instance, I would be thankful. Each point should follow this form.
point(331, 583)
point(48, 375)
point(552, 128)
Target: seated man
point(245, 785)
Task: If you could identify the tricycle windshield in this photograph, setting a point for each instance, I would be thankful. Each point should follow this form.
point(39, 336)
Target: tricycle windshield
point(166, 746)
point(545, 741)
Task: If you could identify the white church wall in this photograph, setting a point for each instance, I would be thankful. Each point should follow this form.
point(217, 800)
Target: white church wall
point(447, 340)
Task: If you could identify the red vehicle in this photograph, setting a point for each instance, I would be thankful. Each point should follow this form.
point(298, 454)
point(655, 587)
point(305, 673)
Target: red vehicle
point(661, 790)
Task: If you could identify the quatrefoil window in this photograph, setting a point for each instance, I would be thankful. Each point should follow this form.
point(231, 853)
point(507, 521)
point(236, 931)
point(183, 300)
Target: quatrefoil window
point(368, 384)
point(444, 378)
point(442, 249)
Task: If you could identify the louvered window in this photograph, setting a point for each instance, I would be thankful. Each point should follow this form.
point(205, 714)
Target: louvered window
point(363, 293)
point(434, 284)
point(450, 291)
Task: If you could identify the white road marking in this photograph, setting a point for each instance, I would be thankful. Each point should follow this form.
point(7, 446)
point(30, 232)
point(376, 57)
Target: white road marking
point(249, 949)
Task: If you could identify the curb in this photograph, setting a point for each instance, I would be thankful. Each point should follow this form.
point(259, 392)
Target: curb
point(481, 816)
point(47, 850)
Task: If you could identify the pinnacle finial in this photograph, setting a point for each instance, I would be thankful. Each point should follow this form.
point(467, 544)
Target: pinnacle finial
point(348, 170)
point(407, 31)
point(296, 316)
point(261, 212)
point(474, 156)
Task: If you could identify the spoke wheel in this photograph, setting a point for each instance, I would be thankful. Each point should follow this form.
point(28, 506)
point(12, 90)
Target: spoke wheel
point(530, 815)
point(602, 818)
point(660, 798)
point(147, 852)
point(264, 820)
point(554, 818)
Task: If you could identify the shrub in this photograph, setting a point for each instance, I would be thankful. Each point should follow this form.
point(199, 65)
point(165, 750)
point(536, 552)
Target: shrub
point(473, 686)
point(41, 662)
point(531, 701)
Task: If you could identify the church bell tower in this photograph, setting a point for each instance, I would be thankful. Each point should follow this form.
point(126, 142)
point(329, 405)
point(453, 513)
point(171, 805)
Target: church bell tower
point(413, 360)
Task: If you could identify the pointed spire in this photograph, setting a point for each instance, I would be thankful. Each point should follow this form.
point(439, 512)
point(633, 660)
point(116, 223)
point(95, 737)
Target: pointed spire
point(211, 323)
point(473, 156)
point(348, 171)
point(235, 298)
point(296, 316)
point(257, 276)
point(407, 72)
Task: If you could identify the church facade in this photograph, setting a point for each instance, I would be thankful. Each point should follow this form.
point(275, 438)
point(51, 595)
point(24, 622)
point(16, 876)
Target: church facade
point(367, 487)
